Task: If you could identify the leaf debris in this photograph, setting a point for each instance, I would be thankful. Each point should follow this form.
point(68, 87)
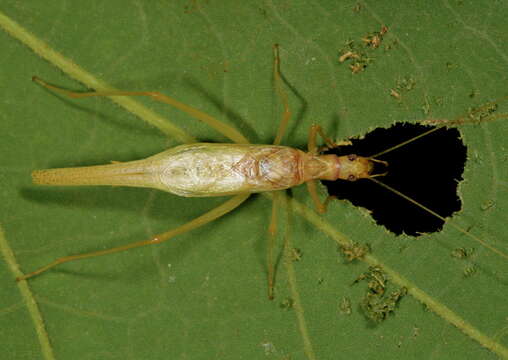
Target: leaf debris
point(462, 253)
point(377, 304)
point(402, 85)
point(345, 306)
point(354, 251)
point(358, 56)
point(287, 304)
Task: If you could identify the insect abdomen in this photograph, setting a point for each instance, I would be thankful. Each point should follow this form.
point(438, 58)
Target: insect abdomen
point(200, 169)
point(222, 169)
point(139, 173)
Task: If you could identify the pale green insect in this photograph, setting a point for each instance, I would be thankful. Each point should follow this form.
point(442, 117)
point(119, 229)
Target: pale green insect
point(206, 169)
point(240, 169)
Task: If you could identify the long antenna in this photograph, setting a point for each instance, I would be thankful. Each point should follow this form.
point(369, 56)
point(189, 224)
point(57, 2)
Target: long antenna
point(406, 142)
point(489, 108)
point(433, 213)
point(475, 115)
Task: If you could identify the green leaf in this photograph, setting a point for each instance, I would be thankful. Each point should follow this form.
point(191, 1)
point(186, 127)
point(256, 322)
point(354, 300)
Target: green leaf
point(203, 295)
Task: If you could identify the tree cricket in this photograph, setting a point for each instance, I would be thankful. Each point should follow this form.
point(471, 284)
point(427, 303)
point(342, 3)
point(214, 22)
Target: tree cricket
point(238, 169)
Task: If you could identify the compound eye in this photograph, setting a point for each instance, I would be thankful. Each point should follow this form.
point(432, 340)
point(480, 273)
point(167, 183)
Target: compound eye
point(351, 157)
point(351, 178)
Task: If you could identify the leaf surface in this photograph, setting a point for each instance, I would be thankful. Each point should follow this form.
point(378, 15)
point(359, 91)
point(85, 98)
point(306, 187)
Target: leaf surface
point(203, 294)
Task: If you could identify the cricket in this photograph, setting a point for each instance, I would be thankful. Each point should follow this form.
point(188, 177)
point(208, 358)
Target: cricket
point(238, 169)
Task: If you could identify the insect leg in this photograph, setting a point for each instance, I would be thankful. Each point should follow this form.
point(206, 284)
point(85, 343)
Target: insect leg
point(313, 149)
point(320, 205)
point(272, 228)
point(311, 145)
point(221, 127)
point(282, 95)
point(272, 232)
point(207, 217)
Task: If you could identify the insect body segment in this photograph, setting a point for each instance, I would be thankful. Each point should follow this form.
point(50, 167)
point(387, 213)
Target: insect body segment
point(353, 167)
point(205, 169)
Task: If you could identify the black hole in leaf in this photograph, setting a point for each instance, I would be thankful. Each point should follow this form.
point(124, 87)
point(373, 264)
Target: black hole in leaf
point(428, 170)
